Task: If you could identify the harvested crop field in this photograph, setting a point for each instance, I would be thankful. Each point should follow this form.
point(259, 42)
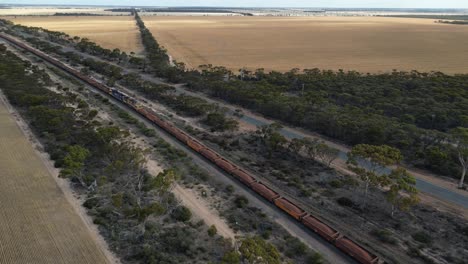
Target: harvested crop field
point(108, 31)
point(366, 44)
point(37, 223)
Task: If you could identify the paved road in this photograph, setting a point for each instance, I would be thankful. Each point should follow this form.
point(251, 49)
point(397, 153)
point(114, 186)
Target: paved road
point(296, 229)
point(312, 240)
point(250, 118)
point(421, 184)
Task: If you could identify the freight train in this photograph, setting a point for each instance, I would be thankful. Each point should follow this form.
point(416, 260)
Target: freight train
point(317, 226)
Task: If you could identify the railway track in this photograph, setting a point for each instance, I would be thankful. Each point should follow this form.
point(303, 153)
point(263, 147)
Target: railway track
point(253, 182)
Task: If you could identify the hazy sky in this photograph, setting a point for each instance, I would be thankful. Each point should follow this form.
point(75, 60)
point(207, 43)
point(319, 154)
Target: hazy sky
point(261, 3)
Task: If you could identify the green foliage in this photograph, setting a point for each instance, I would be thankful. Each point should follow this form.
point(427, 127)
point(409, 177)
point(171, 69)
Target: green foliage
point(212, 231)
point(241, 201)
point(231, 257)
point(74, 160)
point(162, 182)
point(315, 258)
point(154, 208)
point(402, 192)
point(344, 201)
point(460, 138)
point(117, 199)
point(384, 235)
point(218, 122)
point(422, 237)
point(257, 250)
point(294, 247)
point(271, 136)
point(378, 157)
point(182, 214)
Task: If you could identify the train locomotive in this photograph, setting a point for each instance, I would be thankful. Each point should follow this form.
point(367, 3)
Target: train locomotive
point(310, 221)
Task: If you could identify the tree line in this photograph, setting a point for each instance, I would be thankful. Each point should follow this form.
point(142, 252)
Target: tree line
point(136, 212)
point(418, 113)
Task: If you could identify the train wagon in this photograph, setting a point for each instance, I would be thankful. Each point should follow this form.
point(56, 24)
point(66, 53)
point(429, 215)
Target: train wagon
point(320, 228)
point(290, 208)
point(209, 154)
point(195, 145)
point(225, 165)
point(264, 191)
point(356, 251)
point(182, 136)
point(244, 176)
point(343, 243)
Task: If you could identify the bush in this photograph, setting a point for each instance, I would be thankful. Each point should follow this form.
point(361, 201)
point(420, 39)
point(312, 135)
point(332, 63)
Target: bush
point(182, 214)
point(422, 237)
point(344, 201)
point(336, 184)
point(231, 257)
point(315, 258)
point(384, 235)
point(212, 231)
point(230, 189)
point(241, 201)
point(294, 247)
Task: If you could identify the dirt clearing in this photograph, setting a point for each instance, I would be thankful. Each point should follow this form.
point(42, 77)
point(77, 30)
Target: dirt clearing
point(37, 224)
point(366, 44)
point(108, 31)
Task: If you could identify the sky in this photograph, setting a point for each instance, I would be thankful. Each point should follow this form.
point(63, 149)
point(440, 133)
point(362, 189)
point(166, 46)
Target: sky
point(260, 3)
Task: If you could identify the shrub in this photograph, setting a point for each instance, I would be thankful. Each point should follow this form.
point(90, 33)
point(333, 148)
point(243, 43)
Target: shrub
point(230, 189)
point(182, 214)
point(241, 201)
point(422, 237)
point(344, 201)
point(336, 184)
point(315, 258)
point(384, 235)
point(212, 231)
point(231, 257)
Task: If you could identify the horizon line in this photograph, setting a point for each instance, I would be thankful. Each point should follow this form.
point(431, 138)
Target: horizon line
point(256, 7)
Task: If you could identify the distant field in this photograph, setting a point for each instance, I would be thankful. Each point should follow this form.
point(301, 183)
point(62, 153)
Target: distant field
point(108, 31)
point(42, 11)
point(37, 224)
point(366, 44)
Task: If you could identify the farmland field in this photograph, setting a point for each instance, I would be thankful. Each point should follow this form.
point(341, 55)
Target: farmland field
point(37, 223)
point(108, 31)
point(366, 44)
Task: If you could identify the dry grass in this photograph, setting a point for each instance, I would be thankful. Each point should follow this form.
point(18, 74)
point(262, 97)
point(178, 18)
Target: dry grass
point(37, 224)
point(367, 44)
point(108, 31)
point(42, 11)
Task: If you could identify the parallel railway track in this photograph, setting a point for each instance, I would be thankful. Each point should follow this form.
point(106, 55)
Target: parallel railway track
point(255, 183)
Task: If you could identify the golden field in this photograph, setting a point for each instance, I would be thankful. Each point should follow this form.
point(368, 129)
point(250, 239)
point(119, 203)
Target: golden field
point(366, 44)
point(44, 11)
point(37, 223)
point(108, 31)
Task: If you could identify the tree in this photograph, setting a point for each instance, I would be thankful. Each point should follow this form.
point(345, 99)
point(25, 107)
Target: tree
point(256, 250)
point(460, 138)
point(326, 153)
point(272, 137)
point(231, 257)
point(368, 161)
point(74, 162)
point(403, 193)
point(295, 145)
point(182, 214)
point(311, 147)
